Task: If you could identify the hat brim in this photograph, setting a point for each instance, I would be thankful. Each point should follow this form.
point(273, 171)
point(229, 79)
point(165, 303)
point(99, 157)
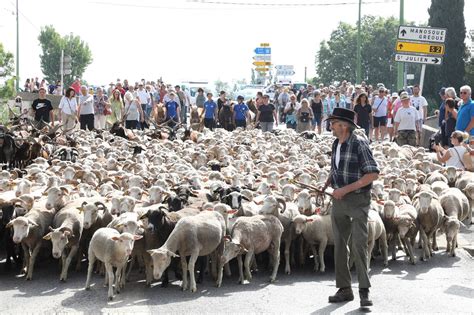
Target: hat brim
point(333, 117)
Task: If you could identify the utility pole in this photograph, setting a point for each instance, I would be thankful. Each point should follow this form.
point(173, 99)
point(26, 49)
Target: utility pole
point(61, 69)
point(359, 57)
point(305, 69)
point(17, 50)
point(400, 66)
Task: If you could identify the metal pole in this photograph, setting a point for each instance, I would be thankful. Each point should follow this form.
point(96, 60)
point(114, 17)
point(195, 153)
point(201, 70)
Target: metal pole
point(61, 69)
point(305, 68)
point(359, 57)
point(17, 49)
point(400, 64)
point(422, 78)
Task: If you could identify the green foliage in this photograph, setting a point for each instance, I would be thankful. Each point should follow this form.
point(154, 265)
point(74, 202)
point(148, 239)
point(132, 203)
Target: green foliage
point(221, 86)
point(253, 79)
point(447, 14)
point(336, 58)
point(7, 82)
point(52, 43)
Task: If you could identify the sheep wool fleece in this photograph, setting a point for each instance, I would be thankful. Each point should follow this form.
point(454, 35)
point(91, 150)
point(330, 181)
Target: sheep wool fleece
point(349, 220)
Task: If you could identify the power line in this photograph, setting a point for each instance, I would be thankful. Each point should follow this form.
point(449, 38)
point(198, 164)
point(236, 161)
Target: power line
point(26, 18)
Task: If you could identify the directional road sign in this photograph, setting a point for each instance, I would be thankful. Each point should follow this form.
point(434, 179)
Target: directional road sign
point(413, 58)
point(285, 72)
point(422, 34)
point(263, 50)
point(262, 63)
point(259, 69)
point(284, 67)
point(421, 48)
point(262, 57)
point(264, 45)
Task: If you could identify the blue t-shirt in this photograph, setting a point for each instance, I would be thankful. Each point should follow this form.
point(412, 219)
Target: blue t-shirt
point(209, 109)
point(171, 109)
point(240, 111)
point(465, 114)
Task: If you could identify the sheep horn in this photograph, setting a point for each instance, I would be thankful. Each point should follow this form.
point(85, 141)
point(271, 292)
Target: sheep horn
point(281, 202)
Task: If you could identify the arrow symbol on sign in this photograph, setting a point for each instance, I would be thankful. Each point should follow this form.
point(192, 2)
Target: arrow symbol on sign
point(403, 32)
point(435, 60)
point(400, 46)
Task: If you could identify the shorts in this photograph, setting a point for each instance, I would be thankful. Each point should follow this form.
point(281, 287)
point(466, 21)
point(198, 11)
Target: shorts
point(317, 119)
point(380, 121)
point(240, 123)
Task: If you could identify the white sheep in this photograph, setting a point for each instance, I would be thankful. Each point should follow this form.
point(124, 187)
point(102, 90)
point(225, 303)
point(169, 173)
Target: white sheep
point(456, 208)
point(430, 216)
point(66, 235)
point(251, 236)
point(29, 231)
point(194, 236)
point(113, 249)
point(316, 229)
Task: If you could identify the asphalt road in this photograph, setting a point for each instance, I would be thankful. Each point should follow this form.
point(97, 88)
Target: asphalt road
point(442, 285)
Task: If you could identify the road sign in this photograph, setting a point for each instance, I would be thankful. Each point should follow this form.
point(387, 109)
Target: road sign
point(259, 69)
point(263, 50)
point(422, 34)
point(262, 57)
point(285, 72)
point(264, 45)
point(262, 63)
point(284, 67)
point(427, 60)
point(420, 48)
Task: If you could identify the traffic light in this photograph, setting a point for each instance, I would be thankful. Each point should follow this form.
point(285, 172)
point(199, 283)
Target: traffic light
point(67, 65)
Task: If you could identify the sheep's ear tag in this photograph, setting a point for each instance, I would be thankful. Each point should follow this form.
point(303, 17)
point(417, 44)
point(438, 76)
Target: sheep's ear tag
point(232, 211)
point(318, 210)
point(81, 209)
point(309, 220)
point(380, 202)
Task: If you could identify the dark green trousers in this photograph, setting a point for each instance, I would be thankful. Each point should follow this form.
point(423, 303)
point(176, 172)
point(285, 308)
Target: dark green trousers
point(349, 220)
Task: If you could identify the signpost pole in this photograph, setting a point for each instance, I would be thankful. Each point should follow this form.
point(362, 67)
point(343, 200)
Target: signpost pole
point(61, 69)
point(359, 57)
point(422, 78)
point(400, 65)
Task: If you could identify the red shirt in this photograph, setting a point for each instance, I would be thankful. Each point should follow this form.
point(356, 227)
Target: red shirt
point(389, 109)
point(77, 87)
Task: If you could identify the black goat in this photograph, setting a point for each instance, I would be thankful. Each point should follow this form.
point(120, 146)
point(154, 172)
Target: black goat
point(118, 130)
point(7, 210)
point(179, 197)
point(8, 150)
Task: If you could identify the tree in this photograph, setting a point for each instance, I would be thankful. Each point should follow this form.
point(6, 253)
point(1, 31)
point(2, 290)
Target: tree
point(447, 14)
point(52, 43)
point(7, 82)
point(221, 86)
point(336, 58)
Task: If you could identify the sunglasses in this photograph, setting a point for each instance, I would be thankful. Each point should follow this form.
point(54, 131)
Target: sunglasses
point(463, 92)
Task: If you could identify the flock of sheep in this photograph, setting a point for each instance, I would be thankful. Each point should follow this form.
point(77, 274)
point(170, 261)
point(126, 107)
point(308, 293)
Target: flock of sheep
point(212, 197)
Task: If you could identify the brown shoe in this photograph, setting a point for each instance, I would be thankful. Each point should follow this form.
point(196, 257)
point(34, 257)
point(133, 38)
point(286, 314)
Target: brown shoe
point(342, 295)
point(364, 298)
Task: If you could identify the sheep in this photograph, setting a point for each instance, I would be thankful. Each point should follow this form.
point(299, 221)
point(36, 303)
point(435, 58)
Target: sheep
point(434, 177)
point(251, 236)
point(194, 236)
point(68, 225)
point(430, 215)
point(407, 227)
point(57, 197)
point(112, 248)
point(29, 231)
point(456, 209)
point(438, 187)
point(127, 222)
point(163, 223)
point(315, 229)
point(303, 201)
point(376, 231)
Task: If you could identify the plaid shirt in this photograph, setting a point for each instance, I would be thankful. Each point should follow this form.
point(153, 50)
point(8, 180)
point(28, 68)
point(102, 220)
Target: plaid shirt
point(356, 160)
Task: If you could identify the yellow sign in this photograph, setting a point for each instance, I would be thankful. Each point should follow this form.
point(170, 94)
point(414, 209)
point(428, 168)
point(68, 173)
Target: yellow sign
point(262, 63)
point(264, 45)
point(421, 48)
point(262, 69)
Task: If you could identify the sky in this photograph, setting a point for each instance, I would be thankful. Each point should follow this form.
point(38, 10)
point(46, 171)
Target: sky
point(190, 40)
